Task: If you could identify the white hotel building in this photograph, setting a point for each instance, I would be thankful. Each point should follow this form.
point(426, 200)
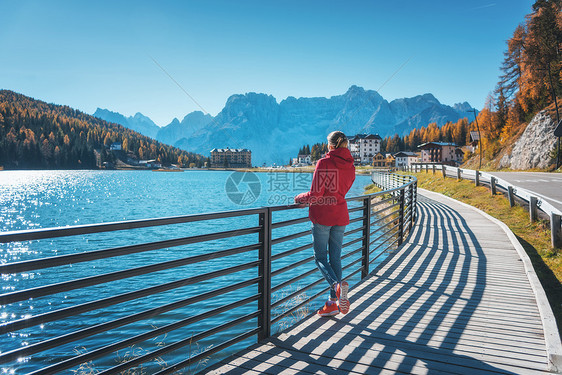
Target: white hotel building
point(406, 158)
point(364, 146)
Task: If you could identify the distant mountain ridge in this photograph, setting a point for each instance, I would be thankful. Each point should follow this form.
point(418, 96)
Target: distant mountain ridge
point(179, 132)
point(275, 131)
point(139, 122)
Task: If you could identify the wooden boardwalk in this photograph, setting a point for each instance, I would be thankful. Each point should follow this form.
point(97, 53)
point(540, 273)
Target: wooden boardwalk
point(455, 299)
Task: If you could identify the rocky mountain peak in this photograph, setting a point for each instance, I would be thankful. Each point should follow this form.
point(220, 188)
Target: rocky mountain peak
point(275, 131)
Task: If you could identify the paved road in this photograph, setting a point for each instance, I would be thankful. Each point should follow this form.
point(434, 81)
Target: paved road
point(546, 185)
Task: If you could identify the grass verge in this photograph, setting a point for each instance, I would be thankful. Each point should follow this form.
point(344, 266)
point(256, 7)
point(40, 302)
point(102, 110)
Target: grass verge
point(534, 237)
point(370, 189)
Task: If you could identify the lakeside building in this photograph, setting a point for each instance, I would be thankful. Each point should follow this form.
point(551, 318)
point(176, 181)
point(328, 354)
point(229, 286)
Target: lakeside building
point(364, 147)
point(116, 146)
point(379, 160)
point(304, 159)
point(231, 158)
point(406, 158)
point(151, 164)
point(441, 152)
point(459, 153)
point(474, 141)
point(390, 161)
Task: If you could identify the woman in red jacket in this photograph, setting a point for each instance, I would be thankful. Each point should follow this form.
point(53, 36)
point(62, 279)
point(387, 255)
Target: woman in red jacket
point(333, 177)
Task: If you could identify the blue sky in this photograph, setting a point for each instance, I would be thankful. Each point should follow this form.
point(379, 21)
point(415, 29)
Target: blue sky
point(89, 54)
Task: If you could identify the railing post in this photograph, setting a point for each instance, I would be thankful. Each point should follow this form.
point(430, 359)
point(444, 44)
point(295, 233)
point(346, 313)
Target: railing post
point(493, 185)
point(366, 236)
point(264, 285)
point(533, 209)
point(459, 174)
point(426, 168)
point(555, 230)
point(433, 168)
point(477, 178)
point(401, 218)
point(444, 170)
point(414, 203)
point(510, 196)
point(410, 223)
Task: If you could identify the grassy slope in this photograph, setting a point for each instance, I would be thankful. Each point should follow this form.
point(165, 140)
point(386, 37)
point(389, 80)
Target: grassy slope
point(535, 237)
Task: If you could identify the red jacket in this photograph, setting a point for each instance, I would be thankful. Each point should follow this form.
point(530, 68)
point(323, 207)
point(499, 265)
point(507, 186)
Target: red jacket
point(333, 177)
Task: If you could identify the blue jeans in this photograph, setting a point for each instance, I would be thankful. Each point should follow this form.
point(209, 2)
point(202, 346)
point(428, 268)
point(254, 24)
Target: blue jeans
point(327, 252)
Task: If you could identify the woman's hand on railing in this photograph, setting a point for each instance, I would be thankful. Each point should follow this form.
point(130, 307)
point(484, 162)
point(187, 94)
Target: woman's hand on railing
point(298, 204)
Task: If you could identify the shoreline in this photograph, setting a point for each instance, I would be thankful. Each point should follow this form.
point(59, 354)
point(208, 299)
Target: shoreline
point(309, 169)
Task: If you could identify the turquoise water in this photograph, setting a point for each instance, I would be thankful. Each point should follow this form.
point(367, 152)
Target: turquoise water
point(40, 199)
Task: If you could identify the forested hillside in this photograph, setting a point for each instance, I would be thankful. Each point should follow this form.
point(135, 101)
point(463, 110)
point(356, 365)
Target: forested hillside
point(35, 134)
point(531, 77)
point(455, 132)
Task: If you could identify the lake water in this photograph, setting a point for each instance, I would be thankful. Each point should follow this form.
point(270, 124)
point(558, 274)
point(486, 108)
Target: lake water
point(40, 199)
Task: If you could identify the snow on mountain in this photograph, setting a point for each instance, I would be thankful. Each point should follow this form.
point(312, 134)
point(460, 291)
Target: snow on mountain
point(138, 122)
point(275, 131)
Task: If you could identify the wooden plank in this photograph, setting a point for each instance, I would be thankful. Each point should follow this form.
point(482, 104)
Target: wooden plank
point(423, 281)
point(524, 343)
point(358, 347)
point(448, 288)
point(231, 369)
point(288, 361)
point(509, 255)
point(469, 280)
point(455, 309)
point(473, 322)
point(367, 365)
point(376, 335)
point(452, 328)
point(501, 277)
point(398, 293)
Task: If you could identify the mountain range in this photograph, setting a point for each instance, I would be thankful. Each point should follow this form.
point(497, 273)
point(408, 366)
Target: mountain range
point(274, 132)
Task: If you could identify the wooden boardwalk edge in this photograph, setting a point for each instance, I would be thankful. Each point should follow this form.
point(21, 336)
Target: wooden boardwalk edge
point(551, 334)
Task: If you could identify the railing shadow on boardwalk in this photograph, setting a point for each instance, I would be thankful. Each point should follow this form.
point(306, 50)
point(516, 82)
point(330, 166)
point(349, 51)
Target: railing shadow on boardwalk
point(411, 314)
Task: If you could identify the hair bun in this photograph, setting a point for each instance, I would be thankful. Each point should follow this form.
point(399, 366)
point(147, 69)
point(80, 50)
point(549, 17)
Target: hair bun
point(337, 138)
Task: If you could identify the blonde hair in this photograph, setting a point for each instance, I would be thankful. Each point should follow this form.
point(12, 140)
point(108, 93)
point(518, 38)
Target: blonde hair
point(337, 139)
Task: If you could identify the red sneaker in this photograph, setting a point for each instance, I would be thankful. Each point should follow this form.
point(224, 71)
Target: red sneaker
point(329, 309)
point(341, 292)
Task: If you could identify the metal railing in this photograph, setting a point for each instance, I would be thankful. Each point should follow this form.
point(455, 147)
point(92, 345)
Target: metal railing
point(253, 275)
point(532, 199)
